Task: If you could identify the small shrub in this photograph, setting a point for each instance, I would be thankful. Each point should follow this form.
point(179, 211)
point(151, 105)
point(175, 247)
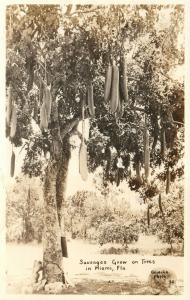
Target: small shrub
point(113, 232)
point(112, 250)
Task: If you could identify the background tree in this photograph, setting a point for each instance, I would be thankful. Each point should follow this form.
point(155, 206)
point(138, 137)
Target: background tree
point(63, 51)
point(24, 213)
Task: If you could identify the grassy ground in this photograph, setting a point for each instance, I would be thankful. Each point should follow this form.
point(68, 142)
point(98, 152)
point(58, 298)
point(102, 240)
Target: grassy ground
point(132, 280)
point(95, 287)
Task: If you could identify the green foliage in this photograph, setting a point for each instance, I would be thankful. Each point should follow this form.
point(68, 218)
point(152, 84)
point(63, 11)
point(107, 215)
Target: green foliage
point(169, 225)
point(24, 211)
point(75, 48)
point(36, 149)
point(71, 46)
point(101, 217)
point(118, 232)
point(121, 250)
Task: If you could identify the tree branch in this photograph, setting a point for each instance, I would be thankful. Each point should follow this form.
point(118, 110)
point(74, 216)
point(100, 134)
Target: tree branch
point(38, 79)
point(180, 123)
point(68, 128)
point(168, 77)
point(68, 14)
point(137, 108)
point(80, 135)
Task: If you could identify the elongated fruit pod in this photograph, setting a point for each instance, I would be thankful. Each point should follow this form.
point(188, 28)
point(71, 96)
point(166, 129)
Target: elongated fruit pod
point(168, 179)
point(138, 171)
point(91, 99)
point(108, 81)
point(41, 92)
point(148, 215)
point(83, 168)
point(64, 246)
point(12, 171)
point(13, 122)
point(123, 80)
point(35, 111)
point(146, 153)
point(116, 179)
point(119, 111)
point(9, 106)
point(162, 142)
point(119, 176)
point(108, 158)
point(7, 130)
point(160, 203)
point(43, 117)
point(156, 134)
point(47, 99)
point(114, 89)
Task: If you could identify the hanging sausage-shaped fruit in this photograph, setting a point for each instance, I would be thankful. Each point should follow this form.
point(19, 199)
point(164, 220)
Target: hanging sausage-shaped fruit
point(114, 89)
point(83, 168)
point(148, 215)
point(146, 153)
point(168, 179)
point(108, 82)
point(123, 80)
point(162, 142)
point(43, 117)
point(90, 98)
point(12, 170)
point(83, 155)
point(9, 105)
point(160, 203)
point(47, 100)
point(138, 171)
point(13, 123)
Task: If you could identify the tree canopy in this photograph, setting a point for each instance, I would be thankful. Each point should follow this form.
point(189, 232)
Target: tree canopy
point(70, 47)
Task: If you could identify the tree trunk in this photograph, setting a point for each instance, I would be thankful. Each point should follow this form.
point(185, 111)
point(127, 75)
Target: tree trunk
point(54, 233)
point(52, 254)
point(28, 230)
point(54, 194)
point(61, 181)
point(61, 184)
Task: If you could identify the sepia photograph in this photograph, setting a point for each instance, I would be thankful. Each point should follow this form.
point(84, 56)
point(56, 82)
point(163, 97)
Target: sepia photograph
point(94, 139)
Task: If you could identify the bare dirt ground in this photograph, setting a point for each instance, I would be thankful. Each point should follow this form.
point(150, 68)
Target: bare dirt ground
point(131, 279)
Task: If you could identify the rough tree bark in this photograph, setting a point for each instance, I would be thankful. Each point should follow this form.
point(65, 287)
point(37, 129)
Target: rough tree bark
point(61, 181)
point(52, 254)
point(61, 185)
point(54, 196)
